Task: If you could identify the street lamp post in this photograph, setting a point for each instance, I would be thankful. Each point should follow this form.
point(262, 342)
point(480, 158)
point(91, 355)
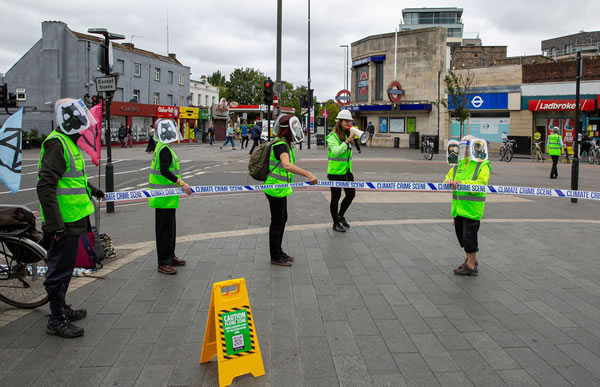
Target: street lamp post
point(110, 181)
point(346, 65)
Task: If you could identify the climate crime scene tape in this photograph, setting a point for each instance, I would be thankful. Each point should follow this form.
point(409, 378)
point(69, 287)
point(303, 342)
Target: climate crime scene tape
point(362, 185)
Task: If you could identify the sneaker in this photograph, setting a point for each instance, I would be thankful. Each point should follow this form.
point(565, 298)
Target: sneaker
point(221, 146)
point(232, 148)
point(338, 227)
point(75, 314)
point(166, 269)
point(281, 262)
point(465, 270)
point(61, 326)
point(177, 262)
point(344, 223)
point(284, 255)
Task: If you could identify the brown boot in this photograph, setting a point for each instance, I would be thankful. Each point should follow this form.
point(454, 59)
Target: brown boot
point(166, 269)
point(177, 262)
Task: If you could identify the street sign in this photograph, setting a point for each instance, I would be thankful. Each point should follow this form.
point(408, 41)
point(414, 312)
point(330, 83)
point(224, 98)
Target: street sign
point(275, 101)
point(279, 88)
point(108, 83)
point(395, 92)
point(343, 97)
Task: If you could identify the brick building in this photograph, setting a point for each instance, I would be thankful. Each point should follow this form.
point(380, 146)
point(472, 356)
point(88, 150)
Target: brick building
point(568, 45)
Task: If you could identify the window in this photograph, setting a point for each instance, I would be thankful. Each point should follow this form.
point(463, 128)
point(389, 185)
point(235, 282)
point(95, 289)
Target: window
point(199, 99)
point(206, 100)
point(136, 96)
point(396, 125)
point(426, 18)
point(137, 70)
point(120, 66)
point(156, 74)
point(213, 100)
point(170, 99)
point(553, 52)
point(410, 18)
point(170, 77)
point(21, 94)
point(362, 83)
point(157, 98)
point(181, 79)
point(181, 103)
point(379, 81)
point(454, 32)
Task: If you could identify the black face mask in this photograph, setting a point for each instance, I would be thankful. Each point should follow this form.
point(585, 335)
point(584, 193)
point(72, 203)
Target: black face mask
point(73, 119)
point(166, 133)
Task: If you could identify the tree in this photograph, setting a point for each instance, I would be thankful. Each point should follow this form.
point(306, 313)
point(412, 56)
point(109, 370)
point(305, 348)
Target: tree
point(245, 86)
point(218, 80)
point(291, 97)
point(458, 85)
point(332, 111)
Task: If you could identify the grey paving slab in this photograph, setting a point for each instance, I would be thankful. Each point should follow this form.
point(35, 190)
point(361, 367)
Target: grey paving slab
point(376, 355)
point(544, 349)
point(414, 370)
point(583, 357)
point(453, 379)
point(578, 375)
point(476, 368)
point(434, 353)
point(543, 373)
point(154, 375)
point(351, 371)
point(316, 358)
point(447, 334)
point(495, 356)
point(341, 339)
point(517, 378)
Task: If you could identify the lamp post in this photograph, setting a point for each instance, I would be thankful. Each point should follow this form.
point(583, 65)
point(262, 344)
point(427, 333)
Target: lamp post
point(308, 93)
point(346, 65)
point(110, 181)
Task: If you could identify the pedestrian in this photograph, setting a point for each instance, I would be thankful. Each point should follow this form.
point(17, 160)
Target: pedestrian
point(467, 207)
point(122, 135)
point(229, 136)
point(371, 130)
point(554, 146)
point(151, 143)
point(165, 173)
point(586, 144)
point(287, 130)
point(356, 140)
point(129, 138)
point(339, 168)
point(211, 133)
point(245, 136)
point(255, 133)
point(64, 194)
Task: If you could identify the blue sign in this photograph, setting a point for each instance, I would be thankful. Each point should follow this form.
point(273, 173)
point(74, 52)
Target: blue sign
point(492, 101)
point(381, 108)
point(374, 58)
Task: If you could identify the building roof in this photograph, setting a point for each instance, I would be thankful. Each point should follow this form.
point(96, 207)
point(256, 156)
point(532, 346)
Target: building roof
point(127, 47)
point(459, 11)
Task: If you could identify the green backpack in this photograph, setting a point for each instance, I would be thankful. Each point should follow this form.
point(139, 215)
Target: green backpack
point(258, 167)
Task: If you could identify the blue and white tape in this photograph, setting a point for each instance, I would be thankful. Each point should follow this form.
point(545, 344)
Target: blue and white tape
point(361, 185)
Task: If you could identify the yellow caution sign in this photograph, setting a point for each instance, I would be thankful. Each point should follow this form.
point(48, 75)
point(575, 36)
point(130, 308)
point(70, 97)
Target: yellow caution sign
point(230, 333)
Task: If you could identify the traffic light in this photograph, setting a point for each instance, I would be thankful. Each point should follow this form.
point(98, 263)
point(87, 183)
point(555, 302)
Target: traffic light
point(3, 90)
point(302, 101)
point(268, 92)
point(11, 102)
point(96, 99)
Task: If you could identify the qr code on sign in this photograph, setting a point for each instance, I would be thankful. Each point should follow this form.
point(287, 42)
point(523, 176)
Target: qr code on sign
point(238, 342)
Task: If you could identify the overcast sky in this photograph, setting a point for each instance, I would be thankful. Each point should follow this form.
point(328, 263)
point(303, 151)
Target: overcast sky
point(210, 35)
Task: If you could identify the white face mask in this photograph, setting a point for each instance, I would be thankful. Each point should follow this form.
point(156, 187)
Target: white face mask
point(166, 131)
point(72, 116)
point(479, 151)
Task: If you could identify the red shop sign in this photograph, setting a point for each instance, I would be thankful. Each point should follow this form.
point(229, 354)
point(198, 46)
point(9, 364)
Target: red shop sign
point(132, 109)
point(167, 111)
point(561, 105)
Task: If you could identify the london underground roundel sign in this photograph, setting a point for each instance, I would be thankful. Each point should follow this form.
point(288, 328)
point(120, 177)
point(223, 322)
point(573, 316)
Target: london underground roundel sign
point(395, 92)
point(343, 97)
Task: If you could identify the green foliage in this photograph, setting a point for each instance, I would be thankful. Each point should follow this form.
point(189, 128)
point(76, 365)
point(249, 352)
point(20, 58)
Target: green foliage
point(245, 86)
point(457, 86)
point(332, 110)
point(217, 79)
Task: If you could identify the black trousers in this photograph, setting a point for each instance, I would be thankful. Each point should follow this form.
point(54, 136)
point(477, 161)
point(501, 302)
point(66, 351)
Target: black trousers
point(554, 170)
point(336, 194)
point(61, 262)
point(279, 216)
point(245, 138)
point(165, 229)
point(357, 144)
point(256, 141)
point(466, 232)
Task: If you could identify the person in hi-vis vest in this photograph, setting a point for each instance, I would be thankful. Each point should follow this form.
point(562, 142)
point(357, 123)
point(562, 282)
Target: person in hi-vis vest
point(339, 168)
point(554, 147)
point(165, 173)
point(287, 130)
point(64, 193)
point(467, 207)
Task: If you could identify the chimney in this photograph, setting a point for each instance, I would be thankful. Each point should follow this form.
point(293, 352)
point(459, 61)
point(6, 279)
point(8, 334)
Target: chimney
point(172, 56)
point(128, 45)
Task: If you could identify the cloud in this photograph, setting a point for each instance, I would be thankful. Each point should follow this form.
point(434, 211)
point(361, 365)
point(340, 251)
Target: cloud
point(210, 35)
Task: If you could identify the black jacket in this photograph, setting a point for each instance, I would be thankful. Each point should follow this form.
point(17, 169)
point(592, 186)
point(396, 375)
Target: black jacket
point(255, 132)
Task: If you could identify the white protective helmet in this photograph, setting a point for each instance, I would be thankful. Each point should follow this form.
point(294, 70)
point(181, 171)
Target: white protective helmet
point(464, 150)
point(555, 130)
point(72, 116)
point(344, 115)
point(166, 131)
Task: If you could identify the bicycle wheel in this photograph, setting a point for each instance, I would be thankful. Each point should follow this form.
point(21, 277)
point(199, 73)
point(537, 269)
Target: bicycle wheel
point(429, 152)
point(509, 155)
point(591, 158)
point(501, 153)
point(22, 272)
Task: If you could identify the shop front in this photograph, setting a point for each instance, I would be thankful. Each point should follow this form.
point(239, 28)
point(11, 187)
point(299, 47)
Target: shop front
point(490, 117)
point(555, 112)
point(137, 116)
point(188, 123)
point(593, 123)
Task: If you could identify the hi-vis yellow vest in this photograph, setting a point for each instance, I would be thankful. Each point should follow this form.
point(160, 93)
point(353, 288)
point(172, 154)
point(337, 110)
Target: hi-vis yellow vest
point(554, 145)
point(278, 175)
point(158, 181)
point(341, 164)
point(468, 204)
point(72, 191)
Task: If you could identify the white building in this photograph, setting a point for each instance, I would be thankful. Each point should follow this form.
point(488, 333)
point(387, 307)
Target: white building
point(203, 93)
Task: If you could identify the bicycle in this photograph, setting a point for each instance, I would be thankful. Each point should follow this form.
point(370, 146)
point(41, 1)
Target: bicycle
point(593, 153)
point(565, 156)
point(427, 147)
point(507, 150)
point(539, 156)
point(22, 270)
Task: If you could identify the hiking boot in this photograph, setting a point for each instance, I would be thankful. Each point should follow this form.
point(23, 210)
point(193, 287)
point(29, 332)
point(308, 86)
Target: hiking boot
point(177, 262)
point(344, 223)
point(284, 255)
point(74, 314)
point(465, 263)
point(281, 262)
point(61, 326)
point(166, 269)
point(338, 227)
point(465, 270)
